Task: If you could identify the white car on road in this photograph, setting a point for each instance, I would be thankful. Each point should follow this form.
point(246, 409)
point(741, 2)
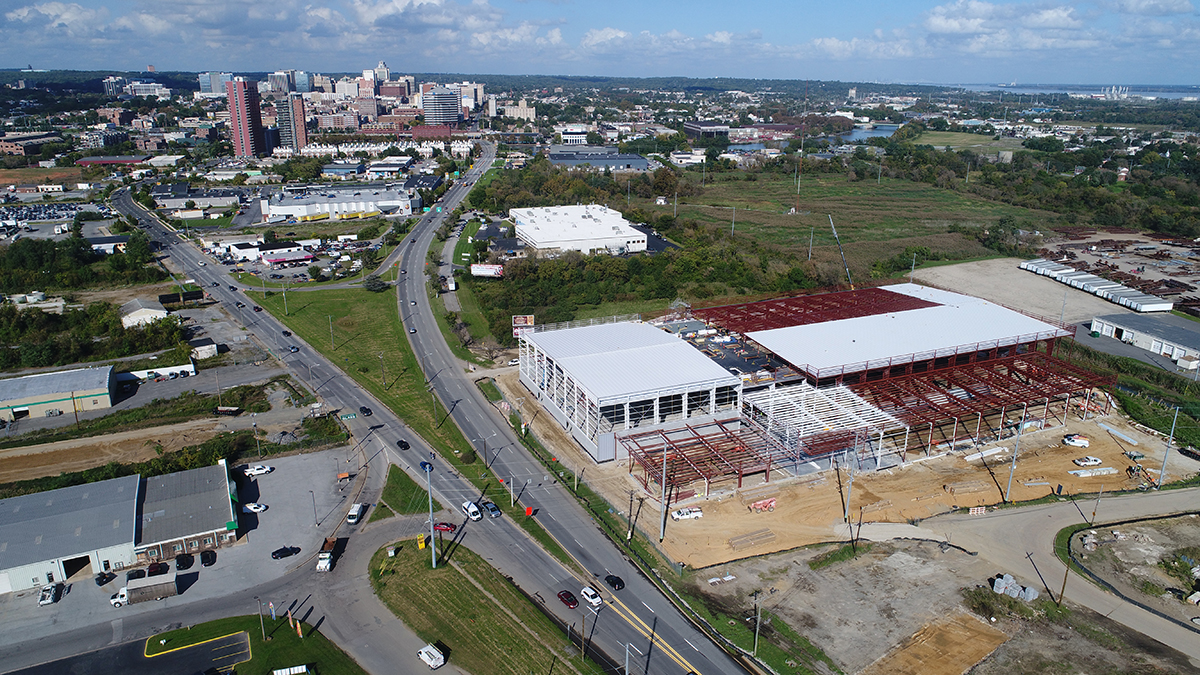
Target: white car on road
point(591, 596)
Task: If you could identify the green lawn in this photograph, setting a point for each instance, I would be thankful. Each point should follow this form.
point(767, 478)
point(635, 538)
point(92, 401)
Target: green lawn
point(462, 247)
point(499, 635)
point(403, 495)
point(285, 648)
point(366, 327)
point(470, 314)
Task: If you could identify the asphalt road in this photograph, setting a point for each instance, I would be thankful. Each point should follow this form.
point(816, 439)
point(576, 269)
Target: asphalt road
point(663, 639)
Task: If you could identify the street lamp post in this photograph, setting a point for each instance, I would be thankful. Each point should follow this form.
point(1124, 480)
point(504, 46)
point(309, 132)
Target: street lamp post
point(314, 500)
point(428, 469)
point(382, 369)
point(256, 443)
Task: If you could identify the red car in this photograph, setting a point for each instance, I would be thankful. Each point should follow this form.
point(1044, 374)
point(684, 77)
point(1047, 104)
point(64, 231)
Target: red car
point(445, 527)
point(568, 599)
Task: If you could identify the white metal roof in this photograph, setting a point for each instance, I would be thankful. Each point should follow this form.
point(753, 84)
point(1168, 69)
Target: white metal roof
point(547, 227)
point(619, 360)
point(871, 341)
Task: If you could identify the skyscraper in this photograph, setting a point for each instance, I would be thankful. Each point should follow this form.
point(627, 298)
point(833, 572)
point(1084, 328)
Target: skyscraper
point(382, 73)
point(442, 106)
point(114, 86)
point(213, 82)
point(282, 80)
point(245, 118)
point(304, 81)
point(289, 115)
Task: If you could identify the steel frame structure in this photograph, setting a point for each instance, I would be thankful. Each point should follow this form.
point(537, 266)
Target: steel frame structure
point(807, 309)
point(977, 390)
point(801, 413)
point(714, 451)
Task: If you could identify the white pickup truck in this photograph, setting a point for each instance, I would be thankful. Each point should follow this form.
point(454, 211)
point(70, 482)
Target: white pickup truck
point(687, 513)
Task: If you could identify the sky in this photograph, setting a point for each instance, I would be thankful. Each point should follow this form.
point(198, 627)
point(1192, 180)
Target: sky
point(948, 42)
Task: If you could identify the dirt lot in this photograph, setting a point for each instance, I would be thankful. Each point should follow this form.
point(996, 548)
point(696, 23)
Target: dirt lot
point(49, 459)
point(39, 175)
point(1129, 557)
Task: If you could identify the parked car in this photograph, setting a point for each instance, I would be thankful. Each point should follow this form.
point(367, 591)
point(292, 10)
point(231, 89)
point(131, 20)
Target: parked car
point(253, 508)
point(1076, 440)
point(208, 558)
point(591, 596)
point(105, 578)
point(568, 599)
point(258, 470)
point(445, 527)
point(284, 552)
point(687, 513)
point(184, 561)
point(157, 569)
point(1089, 461)
point(135, 574)
point(614, 582)
point(514, 362)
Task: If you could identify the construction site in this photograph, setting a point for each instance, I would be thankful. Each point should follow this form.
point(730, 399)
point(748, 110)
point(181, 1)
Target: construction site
point(886, 404)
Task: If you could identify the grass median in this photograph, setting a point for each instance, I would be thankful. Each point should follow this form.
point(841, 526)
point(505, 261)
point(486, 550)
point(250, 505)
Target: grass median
point(284, 649)
point(369, 344)
point(465, 605)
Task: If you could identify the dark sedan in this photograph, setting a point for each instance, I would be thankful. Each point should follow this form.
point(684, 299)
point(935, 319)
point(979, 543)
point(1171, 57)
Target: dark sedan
point(285, 552)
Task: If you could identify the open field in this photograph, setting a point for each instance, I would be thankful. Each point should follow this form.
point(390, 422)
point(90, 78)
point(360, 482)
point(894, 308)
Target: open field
point(32, 175)
point(485, 623)
point(282, 650)
point(961, 141)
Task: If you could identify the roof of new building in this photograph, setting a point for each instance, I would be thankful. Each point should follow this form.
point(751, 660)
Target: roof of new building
point(547, 226)
point(186, 503)
point(67, 522)
point(115, 239)
point(1167, 327)
point(922, 333)
point(620, 360)
point(139, 304)
point(56, 383)
point(113, 159)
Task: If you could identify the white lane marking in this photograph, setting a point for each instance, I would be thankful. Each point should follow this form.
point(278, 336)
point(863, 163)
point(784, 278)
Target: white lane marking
point(648, 607)
point(690, 644)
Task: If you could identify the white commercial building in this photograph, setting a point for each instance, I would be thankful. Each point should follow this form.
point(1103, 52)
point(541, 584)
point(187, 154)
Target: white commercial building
point(599, 381)
point(587, 228)
point(140, 312)
point(342, 204)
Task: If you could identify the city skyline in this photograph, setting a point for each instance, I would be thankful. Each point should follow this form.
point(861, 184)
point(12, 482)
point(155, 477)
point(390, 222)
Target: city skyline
point(960, 41)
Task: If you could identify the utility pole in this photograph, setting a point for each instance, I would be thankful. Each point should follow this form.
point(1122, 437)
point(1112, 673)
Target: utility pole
point(662, 528)
point(256, 443)
point(1016, 448)
point(219, 388)
point(757, 621)
point(811, 232)
point(382, 369)
point(733, 225)
point(1162, 474)
point(330, 332)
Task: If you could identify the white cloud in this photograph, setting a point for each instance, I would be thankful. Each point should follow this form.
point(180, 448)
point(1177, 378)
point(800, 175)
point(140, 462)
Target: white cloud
point(1155, 7)
point(596, 37)
point(70, 18)
point(723, 37)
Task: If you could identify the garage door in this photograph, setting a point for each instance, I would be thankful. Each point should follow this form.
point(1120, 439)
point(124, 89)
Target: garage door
point(5, 585)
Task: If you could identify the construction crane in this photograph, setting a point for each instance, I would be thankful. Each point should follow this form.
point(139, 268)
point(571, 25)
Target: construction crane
point(839, 243)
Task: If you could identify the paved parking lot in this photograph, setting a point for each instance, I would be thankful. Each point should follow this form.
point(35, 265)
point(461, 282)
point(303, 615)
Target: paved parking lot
point(130, 659)
point(291, 491)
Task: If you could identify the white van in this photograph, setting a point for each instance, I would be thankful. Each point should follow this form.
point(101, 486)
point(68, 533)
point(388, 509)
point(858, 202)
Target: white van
point(356, 511)
point(471, 511)
point(432, 656)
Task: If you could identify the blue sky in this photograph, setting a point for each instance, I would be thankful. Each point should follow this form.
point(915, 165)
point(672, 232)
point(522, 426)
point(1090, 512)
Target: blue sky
point(951, 41)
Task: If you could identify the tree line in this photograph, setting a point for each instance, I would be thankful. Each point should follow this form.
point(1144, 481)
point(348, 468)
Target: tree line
point(35, 339)
point(44, 264)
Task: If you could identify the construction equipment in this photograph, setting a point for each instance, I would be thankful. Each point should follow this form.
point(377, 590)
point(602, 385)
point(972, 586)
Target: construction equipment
point(763, 505)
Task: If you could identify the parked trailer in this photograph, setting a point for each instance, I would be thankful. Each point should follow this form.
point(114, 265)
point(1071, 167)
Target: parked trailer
point(146, 588)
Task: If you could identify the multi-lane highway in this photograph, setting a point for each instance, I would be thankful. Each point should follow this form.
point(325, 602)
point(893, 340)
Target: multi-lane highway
point(660, 639)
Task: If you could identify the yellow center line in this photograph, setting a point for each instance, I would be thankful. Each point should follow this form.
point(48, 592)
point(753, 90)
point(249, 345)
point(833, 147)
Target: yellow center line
point(655, 639)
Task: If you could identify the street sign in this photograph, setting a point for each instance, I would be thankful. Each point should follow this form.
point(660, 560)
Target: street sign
point(350, 416)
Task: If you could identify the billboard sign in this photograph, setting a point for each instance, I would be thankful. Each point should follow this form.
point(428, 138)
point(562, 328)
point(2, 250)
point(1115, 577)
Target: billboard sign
point(522, 320)
point(487, 270)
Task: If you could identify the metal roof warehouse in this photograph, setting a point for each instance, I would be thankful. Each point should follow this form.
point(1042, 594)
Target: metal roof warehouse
point(56, 393)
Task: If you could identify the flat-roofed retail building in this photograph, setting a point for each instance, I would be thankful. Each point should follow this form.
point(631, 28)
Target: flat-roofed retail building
point(48, 537)
point(187, 512)
point(588, 228)
point(598, 381)
point(58, 393)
